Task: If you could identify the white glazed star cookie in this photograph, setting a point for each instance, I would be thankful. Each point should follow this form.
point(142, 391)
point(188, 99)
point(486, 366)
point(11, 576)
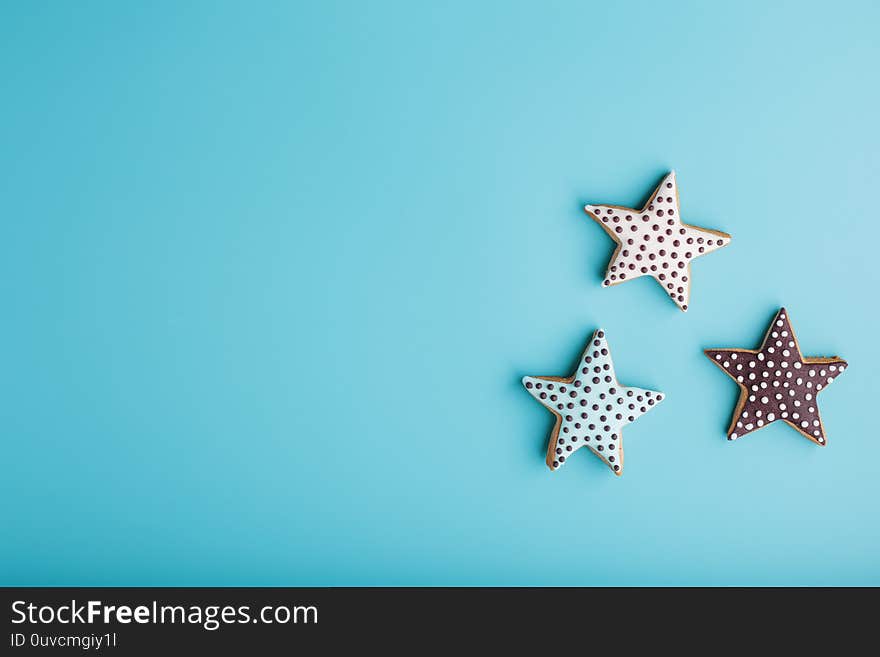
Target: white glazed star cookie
point(654, 241)
point(590, 406)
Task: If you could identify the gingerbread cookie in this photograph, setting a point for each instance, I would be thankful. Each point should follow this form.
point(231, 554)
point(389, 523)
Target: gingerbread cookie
point(777, 382)
point(590, 406)
point(655, 242)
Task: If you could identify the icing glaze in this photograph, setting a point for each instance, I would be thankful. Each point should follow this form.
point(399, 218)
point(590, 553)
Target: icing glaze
point(591, 407)
point(777, 382)
point(655, 242)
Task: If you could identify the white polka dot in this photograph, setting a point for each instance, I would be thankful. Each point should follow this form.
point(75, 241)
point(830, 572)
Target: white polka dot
point(797, 366)
point(779, 323)
point(764, 400)
point(717, 356)
point(770, 417)
point(733, 356)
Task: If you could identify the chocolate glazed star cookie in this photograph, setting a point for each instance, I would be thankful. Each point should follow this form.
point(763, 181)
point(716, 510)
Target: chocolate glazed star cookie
point(655, 242)
point(777, 382)
point(590, 406)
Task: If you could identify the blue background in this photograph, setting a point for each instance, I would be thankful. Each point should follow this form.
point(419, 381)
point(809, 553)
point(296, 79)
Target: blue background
point(271, 273)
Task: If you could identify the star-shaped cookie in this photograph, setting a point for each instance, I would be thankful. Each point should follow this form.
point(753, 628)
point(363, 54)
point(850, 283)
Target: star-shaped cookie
point(777, 382)
point(590, 406)
point(654, 241)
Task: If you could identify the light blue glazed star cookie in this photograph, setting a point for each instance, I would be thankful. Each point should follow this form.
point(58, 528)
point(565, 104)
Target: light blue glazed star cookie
point(591, 407)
